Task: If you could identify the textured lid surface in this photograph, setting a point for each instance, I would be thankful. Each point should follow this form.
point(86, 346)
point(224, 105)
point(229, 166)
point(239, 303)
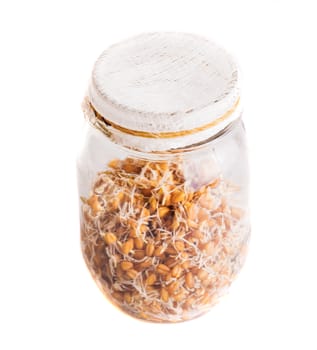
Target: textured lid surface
point(164, 82)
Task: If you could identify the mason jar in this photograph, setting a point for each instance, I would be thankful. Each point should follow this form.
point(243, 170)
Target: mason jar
point(163, 176)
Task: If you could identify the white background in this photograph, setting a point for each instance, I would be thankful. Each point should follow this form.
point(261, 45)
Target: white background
point(47, 297)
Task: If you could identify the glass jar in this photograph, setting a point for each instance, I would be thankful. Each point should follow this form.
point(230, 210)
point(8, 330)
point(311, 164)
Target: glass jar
point(163, 176)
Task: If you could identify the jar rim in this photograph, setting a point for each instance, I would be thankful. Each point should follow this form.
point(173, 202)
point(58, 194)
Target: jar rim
point(157, 147)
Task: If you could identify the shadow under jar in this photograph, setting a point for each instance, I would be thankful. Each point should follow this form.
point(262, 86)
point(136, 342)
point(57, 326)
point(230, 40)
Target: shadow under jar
point(163, 176)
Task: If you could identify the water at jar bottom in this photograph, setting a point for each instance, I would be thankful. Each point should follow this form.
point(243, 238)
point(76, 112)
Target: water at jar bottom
point(159, 250)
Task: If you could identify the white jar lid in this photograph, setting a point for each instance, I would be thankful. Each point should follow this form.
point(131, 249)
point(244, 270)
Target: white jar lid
point(165, 83)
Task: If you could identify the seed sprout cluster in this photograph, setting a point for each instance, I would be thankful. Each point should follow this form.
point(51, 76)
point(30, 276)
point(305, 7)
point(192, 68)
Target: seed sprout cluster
point(158, 248)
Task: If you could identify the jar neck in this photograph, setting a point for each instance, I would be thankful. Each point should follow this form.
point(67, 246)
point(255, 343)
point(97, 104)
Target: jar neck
point(162, 142)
